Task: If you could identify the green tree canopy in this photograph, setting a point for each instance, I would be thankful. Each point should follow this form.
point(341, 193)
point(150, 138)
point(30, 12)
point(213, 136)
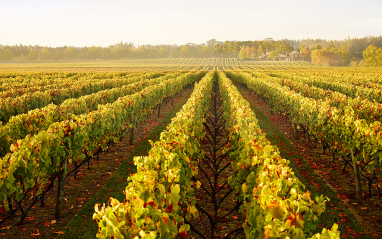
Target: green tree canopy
point(274, 55)
point(45, 54)
point(344, 54)
point(218, 49)
point(32, 55)
point(185, 51)
point(326, 58)
point(242, 53)
point(373, 56)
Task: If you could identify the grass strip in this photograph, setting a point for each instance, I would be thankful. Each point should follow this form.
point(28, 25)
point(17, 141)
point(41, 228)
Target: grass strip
point(82, 225)
point(335, 211)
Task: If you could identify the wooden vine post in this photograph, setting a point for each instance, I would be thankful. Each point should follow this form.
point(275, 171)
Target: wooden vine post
point(60, 190)
point(295, 131)
point(133, 131)
point(8, 207)
point(159, 106)
point(357, 178)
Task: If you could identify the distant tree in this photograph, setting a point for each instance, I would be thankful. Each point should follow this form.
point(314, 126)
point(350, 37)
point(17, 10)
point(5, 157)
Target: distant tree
point(94, 52)
point(331, 47)
point(260, 50)
point(354, 64)
point(318, 47)
point(6, 54)
point(105, 53)
point(344, 54)
point(175, 52)
point(250, 52)
point(283, 47)
point(70, 53)
point(20, 50)
point(142, 52)
point(305, 53)
point(205, 50)
point(326, 58)
point(83, 53)
point(236, 48)
point(274, 55)
point(57, 54)
point(242, 54)
point(211, 43)
point(119, 51)
point(228, 48)
point(32, 55)
point(373, 56)
point(162, 52)
point(45, 54)
point(218, 49)
point(185, 51)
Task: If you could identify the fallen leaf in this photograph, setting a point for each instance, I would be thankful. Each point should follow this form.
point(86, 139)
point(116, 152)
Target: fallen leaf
point(36, 233)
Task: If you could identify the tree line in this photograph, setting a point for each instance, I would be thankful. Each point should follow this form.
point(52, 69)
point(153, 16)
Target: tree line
point(324, 52)
point(212, 48)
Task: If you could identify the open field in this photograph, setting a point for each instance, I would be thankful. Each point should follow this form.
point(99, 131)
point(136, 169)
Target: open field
point(142, 65)
point(248, 148)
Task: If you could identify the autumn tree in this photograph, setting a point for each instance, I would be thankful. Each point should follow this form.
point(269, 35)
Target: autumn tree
point(251, 52)
point(305, 53)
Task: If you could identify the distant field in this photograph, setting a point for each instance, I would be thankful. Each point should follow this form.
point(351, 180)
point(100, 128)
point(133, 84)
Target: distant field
point(150, 64)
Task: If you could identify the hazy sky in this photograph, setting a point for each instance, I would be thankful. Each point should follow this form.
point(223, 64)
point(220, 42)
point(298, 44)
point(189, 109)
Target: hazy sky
point(103, 23)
